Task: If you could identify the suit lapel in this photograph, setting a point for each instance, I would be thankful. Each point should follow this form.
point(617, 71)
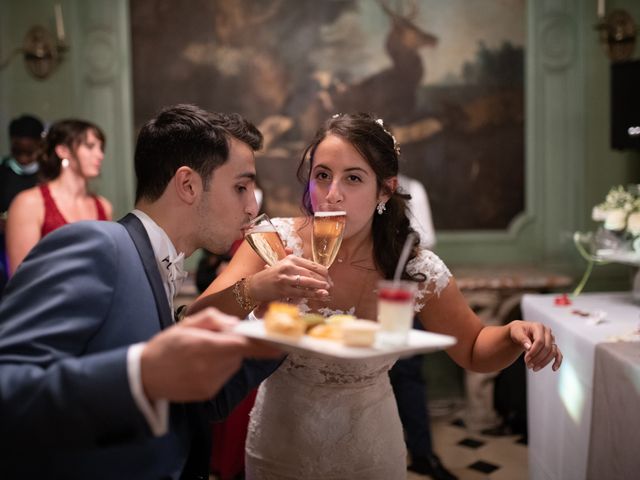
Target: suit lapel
point(143, 245)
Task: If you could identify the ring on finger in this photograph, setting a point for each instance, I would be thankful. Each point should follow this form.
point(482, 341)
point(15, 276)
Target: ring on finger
point(297, 281)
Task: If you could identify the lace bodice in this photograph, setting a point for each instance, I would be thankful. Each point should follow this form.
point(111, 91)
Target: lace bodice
point(427, 263)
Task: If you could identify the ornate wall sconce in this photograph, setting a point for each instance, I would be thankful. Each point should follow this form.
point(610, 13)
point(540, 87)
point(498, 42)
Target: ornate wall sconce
point(617, 32)
point(42, 51)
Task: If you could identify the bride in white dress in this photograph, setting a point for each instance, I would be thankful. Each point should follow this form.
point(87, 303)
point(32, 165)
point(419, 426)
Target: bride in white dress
point(320, 419)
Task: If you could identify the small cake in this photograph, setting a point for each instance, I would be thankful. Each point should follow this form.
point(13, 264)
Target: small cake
point(339, 319)
point(326, 332)
point(359, 333)
point(312, 319)
point(284, 320)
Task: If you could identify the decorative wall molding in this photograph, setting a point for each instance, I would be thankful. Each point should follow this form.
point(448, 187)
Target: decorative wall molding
point(100, 55)
point(557, 41)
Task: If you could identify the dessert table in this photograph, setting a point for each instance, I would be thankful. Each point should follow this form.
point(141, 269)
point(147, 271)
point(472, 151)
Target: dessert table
point(584, 420)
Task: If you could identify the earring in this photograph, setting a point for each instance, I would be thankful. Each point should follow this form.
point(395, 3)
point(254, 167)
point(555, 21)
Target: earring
point(381, 207)
point(64, 163)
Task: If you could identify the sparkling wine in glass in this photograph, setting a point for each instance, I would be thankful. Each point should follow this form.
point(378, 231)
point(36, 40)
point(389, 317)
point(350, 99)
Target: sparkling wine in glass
point(328, 229)
point(264, 239)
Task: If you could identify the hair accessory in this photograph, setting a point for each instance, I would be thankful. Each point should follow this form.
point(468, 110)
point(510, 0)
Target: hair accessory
point(64, 163)
point(336, 115)
point(396, 145)
point(241, 293)
point(381, 207)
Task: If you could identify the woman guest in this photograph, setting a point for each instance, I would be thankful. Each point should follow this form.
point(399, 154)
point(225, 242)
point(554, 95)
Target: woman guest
point(72, 155)
point(316, 418)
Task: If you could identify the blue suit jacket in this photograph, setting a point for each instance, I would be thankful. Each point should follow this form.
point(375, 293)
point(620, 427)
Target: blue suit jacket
point(84, 294)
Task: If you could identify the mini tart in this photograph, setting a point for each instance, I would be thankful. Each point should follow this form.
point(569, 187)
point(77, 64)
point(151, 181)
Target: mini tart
point(359, 333)
point(339, 319)
point(283, 320)
point(326, 332)
point(312, 319)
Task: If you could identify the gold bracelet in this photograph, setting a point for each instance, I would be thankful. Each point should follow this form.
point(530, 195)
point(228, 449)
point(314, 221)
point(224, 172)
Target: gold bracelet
point(241, 293)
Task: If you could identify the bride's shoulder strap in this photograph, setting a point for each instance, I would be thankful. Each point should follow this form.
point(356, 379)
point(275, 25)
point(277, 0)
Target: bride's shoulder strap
point(286, 227)
point(436, 275)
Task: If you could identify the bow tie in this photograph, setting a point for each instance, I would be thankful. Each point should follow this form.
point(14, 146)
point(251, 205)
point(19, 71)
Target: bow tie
point(174, 272)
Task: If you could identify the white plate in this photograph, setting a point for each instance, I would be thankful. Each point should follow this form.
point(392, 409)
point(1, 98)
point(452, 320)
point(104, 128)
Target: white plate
point(418, 342)
point(625, 257)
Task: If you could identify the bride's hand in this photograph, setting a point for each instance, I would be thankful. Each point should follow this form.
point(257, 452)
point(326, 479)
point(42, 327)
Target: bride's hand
point(292, 277)
point(538, 342)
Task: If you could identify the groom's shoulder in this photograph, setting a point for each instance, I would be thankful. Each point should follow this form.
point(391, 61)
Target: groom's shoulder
point(85, 234)
point(72, 248)
point(85, 228)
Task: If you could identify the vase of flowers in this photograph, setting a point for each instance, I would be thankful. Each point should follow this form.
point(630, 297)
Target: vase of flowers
point(618, 237)
point(620, 214)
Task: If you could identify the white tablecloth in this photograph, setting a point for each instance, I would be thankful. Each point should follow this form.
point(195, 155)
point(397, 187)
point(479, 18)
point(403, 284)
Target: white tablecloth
point(560, 403)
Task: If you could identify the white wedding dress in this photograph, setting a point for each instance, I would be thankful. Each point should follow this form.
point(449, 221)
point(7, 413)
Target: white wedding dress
point(332, 419)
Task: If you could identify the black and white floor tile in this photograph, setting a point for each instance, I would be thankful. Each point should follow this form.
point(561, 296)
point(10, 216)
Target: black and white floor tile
point(472, 456)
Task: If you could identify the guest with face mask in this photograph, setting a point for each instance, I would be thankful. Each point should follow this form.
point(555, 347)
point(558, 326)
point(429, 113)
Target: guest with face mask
point(18, 170)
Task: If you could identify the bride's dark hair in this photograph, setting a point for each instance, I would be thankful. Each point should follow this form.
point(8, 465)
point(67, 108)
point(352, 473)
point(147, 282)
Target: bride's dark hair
point(378, 147)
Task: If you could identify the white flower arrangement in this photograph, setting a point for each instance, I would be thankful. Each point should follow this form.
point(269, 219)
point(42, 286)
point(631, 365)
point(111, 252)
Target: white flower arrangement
point(620, 211)
point(620, 215)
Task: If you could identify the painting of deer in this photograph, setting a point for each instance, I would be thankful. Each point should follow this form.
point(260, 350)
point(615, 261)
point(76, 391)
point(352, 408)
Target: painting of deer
point(446, 76)
point(393, 90)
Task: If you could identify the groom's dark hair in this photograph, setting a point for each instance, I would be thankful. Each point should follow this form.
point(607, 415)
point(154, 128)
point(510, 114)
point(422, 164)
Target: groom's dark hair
point(186, 135)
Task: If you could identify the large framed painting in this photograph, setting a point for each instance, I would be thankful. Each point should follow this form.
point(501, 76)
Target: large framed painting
point(447, 76)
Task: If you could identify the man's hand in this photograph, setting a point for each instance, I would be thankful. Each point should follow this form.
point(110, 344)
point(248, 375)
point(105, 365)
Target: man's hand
point(191, 361)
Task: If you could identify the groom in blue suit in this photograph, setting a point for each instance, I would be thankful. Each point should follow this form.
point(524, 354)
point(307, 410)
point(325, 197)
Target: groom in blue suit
point(96, 380)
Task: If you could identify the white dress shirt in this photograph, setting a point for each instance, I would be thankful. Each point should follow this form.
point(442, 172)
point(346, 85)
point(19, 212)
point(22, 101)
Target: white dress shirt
point(419, 210)
point(170, 265)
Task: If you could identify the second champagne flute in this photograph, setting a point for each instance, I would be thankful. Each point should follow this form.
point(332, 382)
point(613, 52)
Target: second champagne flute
point(264, 239)
point(328, 229)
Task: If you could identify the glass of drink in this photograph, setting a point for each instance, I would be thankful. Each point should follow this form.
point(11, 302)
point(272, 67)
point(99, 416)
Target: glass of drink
point(395, 311)
point(328, 228)
point(264, 239)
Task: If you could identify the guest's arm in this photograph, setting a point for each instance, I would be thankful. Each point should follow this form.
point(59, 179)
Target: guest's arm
point(24, 223)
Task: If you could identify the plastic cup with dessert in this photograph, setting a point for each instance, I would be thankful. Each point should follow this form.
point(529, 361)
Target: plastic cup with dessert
point(395, 311)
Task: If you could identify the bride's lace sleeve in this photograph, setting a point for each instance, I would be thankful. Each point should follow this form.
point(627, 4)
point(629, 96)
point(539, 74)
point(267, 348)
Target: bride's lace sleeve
point(287, 233)
point(436, 274)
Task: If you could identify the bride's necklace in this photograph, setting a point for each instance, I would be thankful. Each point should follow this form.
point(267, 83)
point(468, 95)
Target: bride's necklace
point(362, 273)
point(358, 260)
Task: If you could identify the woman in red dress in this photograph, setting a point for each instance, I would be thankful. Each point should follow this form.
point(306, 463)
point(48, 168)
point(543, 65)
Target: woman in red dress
point(72, 155)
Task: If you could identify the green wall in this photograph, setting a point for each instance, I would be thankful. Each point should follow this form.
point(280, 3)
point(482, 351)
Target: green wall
point(92, 82)
point(570, 166)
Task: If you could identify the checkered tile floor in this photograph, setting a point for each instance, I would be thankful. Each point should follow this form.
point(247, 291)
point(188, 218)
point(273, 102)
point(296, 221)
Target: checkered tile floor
point(472, 456)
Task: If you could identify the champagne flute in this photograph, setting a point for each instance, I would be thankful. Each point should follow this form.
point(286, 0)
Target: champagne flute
point(264, 239)
point(328, 229)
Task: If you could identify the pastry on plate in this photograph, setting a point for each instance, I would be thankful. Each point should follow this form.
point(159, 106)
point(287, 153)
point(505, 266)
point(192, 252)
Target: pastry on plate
point(312, 319)
point(340, 318)
point(327, 331)
point(359, 333)
point(283, 320)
